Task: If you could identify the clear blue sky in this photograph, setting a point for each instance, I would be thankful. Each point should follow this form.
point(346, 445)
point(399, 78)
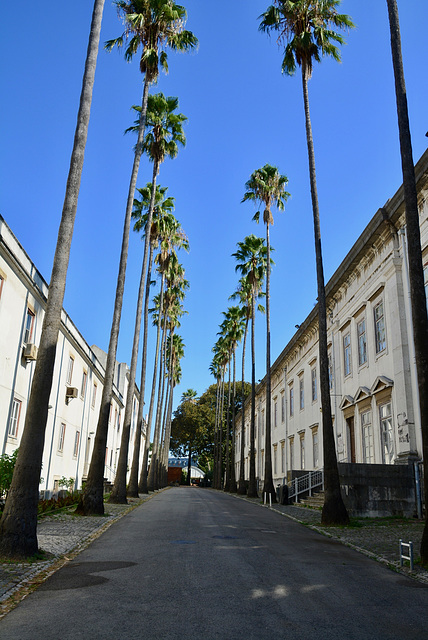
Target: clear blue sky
point(242, 113)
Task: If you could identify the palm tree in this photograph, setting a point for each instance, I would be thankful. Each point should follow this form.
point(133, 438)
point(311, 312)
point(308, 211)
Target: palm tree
point(172, 273)
point(152, 25)
point(232, 328)
point(308, 29)
point(221, 360)
point(163, 206)
point(216, 371)
point(165, 132)
point(19, 520)
point(175, 349)
point(266, 187)
point(416, 275)
point(252, 263)
point(190, 395)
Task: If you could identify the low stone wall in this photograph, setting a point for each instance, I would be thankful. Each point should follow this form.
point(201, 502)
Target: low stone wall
point(377, 490)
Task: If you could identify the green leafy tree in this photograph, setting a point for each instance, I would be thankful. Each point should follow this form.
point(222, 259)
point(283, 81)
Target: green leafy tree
point(416, 275)
point(307, 28)
point(18, 525)
point(266, 187)
point(7, 465)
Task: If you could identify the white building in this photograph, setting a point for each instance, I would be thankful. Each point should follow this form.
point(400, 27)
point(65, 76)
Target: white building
point(373, 385)
point(77, 382)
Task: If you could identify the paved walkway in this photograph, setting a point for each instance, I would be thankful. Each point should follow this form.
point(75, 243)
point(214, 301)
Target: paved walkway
point(63, 536)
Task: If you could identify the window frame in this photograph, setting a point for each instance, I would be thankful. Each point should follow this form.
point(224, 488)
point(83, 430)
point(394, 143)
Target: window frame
point(362, 335)
point(70, 368)
point(14, 419)
point(378, 341)
point(301, 393)
point(83, 384)
point(61, 438)
point(347, 354)
point(314, 384)
point(76, 444)
point(28, 330)
point(291, 398)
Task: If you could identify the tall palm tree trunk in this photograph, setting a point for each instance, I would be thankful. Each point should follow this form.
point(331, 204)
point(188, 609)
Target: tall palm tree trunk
point(252, 486)
point(334, 510)
point(19, 520)
point(416, 276)
point(118, 493)
point(133, 479)
point(232, 483)
point(268, 487)
point(227, 465)
point(216, 432)
point(91, 501)
point(151, 471)
point(241, 484)
point(158, 423)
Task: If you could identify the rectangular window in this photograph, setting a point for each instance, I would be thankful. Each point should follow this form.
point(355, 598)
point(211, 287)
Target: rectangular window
point(61, 438)
point(315, 447)
point(425, 283)
point(362, 342)
point(275, 460)
point(275, 414)
point(379, 327)
point(314, 384)
point(367, 433)
point(291, 453)
point(76, 444)
point(14, 418)
point(282, 457)
point(111, 413)
point(70, 371)
point(302, 451)
point(330, 371)
point(83, 385)
point(291, 401)
point(263, 423)
point(386, 433)
point(111, 457)
point(301, 393)
point(1, 284)
point(283, 407)
point(347, 354)
point(94, 395)
point(29, 324)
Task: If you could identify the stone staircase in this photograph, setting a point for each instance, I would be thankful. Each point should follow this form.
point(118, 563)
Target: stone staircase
point(315, 501)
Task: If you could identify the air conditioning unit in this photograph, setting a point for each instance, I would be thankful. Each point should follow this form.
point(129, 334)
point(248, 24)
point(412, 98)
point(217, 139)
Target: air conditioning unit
point(30, 351)
point(71, 392)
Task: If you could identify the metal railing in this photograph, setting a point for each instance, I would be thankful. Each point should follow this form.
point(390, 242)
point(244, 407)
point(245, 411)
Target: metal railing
point(314, 480)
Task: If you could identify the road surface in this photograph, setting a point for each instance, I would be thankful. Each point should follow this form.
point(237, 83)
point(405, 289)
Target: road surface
point(196, 563)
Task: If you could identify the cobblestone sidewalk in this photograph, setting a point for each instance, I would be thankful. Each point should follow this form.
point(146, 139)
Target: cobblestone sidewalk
point(61, 537)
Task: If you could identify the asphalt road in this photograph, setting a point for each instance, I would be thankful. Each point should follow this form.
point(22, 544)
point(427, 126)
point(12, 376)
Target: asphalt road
point(195, 563)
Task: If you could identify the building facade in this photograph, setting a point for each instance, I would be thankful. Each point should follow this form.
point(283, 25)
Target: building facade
point(372, 371)
point(77, 381)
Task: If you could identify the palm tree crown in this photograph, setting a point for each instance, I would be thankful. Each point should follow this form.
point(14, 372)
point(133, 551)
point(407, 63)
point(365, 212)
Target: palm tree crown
point(152, 25)
point(266, 186)
point(306, 27)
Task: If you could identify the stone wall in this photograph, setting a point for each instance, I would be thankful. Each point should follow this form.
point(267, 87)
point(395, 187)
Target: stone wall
point(376, 490)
